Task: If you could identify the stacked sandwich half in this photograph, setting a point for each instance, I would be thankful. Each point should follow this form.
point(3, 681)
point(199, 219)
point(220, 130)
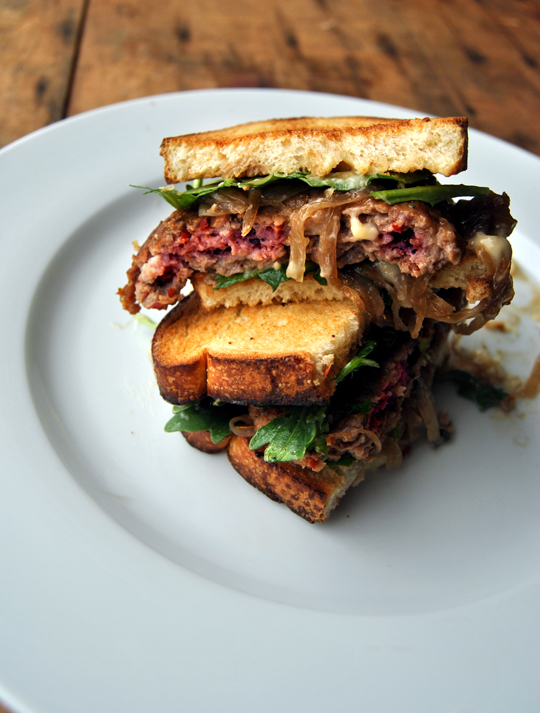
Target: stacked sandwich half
point(328, 265)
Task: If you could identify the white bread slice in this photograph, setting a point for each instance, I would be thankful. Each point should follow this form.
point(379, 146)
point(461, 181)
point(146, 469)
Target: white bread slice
point(318, 146)
point(258, 292)
point(469, 275)
point(276, 354)
point(312, 495)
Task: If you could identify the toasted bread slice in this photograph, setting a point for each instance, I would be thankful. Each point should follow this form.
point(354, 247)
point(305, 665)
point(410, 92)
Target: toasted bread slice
point(318, 146)
point(309, 494)
point(469, 275)
point(276, 354)
point(257, 292)
point(202, 441)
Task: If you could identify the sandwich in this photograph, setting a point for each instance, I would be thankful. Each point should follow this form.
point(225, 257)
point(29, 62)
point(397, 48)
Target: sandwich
point(327, 266)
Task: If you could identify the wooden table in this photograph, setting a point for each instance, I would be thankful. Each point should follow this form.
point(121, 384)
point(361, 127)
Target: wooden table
point(477, 58)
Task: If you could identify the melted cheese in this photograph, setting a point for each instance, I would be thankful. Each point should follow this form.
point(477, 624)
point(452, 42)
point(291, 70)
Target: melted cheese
point(497, 247)
point(392, 274)
point(363, 231)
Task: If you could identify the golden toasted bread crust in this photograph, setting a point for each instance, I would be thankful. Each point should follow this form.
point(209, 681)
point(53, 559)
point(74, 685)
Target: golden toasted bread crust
point(202, 442)
point(179, 380)
point(307, 493)
point(275, 354)
point(318, 146)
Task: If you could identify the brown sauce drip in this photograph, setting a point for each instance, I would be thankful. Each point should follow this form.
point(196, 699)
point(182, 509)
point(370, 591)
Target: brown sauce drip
point(531, 388)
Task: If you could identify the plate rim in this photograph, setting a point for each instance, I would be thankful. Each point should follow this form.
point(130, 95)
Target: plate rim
point(204, 589)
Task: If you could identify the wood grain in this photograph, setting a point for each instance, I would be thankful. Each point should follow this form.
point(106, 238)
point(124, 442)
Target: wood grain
point(479, 59)
point(39, 41)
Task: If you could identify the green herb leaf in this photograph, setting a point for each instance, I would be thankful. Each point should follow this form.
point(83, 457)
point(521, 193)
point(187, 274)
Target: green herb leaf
point(274, 278)
point(364, 407)
point(301, 429)
point(228, 280)
point(484, 395)
point(185, 199)
point(358, 361)
point(344, 461)
point(320, 445)
point(428, 194)
point(321, 280)
point(204, 416)
point(406, 178)
point(339, 181)
point(289, 436)
point(143, 319)
point(313, 269)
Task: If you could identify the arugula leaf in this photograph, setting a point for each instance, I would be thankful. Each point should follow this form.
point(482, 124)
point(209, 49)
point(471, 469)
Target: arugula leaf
point(358, 361)
point(204, 416)
point(344, 461)
point(364, 407)
point(428, 194)
point(319, 278)
point(303, 428)
point(339, 181)
point(407, 178)
point(272, 277)
point(289, 436)
point(484, 395)
point(228, 280)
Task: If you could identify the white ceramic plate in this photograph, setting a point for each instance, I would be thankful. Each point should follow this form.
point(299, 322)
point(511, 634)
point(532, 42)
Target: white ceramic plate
point(140, 575)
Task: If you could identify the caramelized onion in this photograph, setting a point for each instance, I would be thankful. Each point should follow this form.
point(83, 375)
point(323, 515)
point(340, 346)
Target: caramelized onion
point(280, 191)
point(489, 307)
point(407, 293)
point(373, 437)
point(364, 288)
point(410, 292)
point(426, 409)
point(371, 274)
point(247, 430)
point(327, 246)
point(299, 242)
point(393, 453)
point(254, 200)
point(226, 201)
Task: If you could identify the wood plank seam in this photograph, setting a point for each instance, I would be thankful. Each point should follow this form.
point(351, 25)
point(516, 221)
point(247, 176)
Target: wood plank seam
point(75, 57)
